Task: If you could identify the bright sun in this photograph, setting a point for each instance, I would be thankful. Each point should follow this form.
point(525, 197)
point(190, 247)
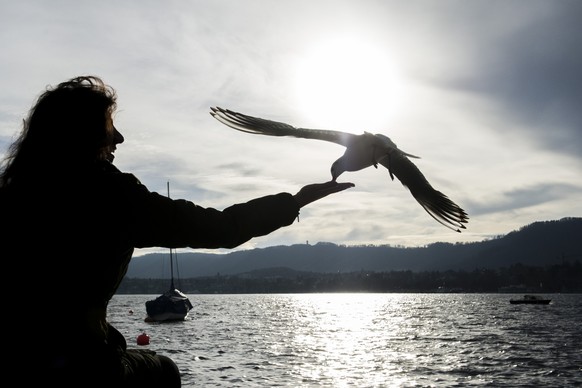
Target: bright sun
point(348, 84)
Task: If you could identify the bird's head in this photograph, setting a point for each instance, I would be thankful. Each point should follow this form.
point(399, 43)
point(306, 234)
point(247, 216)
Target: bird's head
point(336, 170)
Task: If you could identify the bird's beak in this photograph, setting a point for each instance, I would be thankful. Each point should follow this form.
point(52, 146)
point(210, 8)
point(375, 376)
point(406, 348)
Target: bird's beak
point(333, 176)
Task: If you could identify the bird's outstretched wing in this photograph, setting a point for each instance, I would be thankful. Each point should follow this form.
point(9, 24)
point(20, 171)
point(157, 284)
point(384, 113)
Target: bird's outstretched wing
point(260, 126)
point(436, 204)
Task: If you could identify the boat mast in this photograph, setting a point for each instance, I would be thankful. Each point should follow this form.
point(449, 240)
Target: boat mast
point(171, 254)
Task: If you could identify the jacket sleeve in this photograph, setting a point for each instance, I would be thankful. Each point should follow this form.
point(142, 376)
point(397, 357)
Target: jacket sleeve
point(158, 221)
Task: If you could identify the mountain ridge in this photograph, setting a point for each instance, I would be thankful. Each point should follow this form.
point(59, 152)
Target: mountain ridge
point(537, 244)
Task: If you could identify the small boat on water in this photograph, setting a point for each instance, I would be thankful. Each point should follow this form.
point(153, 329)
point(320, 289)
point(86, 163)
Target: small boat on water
point(172, 305)
point(530, 299)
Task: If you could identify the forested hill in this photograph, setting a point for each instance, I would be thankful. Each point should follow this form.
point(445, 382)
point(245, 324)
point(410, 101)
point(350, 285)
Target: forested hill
point(539, 244)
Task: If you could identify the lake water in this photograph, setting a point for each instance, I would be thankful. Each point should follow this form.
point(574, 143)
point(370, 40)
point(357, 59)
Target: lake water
point(366, 340)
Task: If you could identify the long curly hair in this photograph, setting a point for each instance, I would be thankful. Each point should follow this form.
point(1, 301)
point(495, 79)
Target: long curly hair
point(70, 124)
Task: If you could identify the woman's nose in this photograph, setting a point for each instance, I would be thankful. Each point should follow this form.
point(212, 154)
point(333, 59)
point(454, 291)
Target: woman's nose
point(117, 136)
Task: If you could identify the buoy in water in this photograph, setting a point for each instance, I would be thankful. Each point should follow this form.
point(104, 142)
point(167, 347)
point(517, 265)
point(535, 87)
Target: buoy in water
point(143, 339)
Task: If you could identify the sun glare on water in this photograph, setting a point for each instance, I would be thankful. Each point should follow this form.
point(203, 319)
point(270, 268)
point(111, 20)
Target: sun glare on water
point(348, 84)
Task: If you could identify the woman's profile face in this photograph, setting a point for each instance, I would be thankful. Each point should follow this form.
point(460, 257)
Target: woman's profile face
point(115, 137)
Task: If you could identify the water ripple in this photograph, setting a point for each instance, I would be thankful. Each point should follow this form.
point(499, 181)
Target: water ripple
point(365, 340)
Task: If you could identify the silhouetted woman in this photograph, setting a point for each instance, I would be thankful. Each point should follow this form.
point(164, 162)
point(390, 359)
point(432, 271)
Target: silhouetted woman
point(70, 223)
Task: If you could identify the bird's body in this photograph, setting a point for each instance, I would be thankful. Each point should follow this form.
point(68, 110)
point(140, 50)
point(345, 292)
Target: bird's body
point(361, 151)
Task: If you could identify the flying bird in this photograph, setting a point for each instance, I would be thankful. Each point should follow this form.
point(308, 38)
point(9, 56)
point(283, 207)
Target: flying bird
point(361, 151)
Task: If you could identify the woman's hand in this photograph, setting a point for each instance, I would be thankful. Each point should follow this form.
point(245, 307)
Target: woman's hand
point(315, 191)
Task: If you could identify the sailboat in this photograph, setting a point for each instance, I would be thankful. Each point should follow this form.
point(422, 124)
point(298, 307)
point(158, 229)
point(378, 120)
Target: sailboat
point(172, 305)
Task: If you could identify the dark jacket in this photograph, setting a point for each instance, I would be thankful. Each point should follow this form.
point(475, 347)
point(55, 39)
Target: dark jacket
point(67, 241)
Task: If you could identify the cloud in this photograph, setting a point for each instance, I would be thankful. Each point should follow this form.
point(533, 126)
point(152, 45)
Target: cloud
point(520, 198)
point(490, 95)
point(529, 68)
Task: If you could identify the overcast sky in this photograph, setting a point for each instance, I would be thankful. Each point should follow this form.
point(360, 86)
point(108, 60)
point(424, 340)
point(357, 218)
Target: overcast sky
point(488, 94)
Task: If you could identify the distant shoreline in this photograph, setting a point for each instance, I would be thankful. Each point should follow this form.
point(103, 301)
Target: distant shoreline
point(559, 278)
